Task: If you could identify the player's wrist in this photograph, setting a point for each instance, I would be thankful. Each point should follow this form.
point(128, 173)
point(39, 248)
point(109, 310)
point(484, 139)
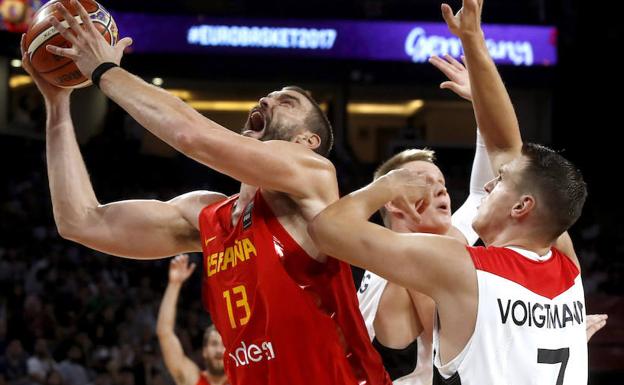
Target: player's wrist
point(388, 186)
point(473, 38)
point(175, 284)
point(102, 69)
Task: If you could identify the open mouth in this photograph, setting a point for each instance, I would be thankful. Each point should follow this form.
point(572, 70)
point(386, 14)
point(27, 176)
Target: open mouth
point(256, 123)
point(443, 207)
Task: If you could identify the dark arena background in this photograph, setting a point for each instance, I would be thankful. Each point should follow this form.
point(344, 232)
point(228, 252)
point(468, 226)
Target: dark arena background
point(381, 97)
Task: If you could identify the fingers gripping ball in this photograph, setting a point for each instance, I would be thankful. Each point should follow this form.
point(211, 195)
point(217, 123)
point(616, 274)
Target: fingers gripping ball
point(58, 70)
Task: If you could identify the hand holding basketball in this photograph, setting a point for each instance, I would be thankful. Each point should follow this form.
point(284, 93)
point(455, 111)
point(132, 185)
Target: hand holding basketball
point(50, 92)
point(89, 48)
point(56, 69)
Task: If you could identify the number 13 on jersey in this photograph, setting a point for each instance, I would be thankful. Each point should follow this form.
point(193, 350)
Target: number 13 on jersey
point(238, 295)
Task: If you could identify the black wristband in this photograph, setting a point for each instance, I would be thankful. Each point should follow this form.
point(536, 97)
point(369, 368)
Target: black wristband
point(97, 73)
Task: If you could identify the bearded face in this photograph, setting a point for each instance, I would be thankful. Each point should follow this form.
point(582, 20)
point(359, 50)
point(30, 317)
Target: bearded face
point(281, 115)
point(260, 126)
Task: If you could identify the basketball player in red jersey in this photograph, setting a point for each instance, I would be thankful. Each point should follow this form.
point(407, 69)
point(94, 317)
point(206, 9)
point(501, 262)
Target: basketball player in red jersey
point(183, 370)
point(287, 313)
point(511, 312)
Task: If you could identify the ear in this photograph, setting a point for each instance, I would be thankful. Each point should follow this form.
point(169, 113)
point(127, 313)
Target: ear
point(523, 207)
point(309, 139)
point(393, 211)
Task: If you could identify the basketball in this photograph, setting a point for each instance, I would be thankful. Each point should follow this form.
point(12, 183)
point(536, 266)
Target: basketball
point(58, 70)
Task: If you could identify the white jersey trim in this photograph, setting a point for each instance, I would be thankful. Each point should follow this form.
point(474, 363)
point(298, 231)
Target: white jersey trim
point(530, 254)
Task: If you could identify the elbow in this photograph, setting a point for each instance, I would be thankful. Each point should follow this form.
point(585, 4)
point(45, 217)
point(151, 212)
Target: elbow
point(73, 226)
point(65, 232)
point(73, 233)
point(69, 231)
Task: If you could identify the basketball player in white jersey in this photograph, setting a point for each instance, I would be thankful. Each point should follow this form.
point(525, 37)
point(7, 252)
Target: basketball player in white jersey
point(513, 312)
point(400, 320)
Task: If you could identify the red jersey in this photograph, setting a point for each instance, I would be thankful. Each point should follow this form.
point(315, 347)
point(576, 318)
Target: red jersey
point(202, 380)
point(284, 317)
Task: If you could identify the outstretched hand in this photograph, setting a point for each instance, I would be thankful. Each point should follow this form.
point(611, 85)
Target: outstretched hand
point(89, 48)
point(180, 269)
point(595, 322)
point(456, 72)
point(467, 21)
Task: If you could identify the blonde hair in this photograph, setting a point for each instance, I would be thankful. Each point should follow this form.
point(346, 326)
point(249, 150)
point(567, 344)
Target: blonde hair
point(396, 162)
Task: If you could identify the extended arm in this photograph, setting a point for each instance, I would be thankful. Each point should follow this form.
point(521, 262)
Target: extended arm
point(494, 111)
point(183, 370)
point(273, 165)
point(430, 264)
point(136, 229)
point(459, 82)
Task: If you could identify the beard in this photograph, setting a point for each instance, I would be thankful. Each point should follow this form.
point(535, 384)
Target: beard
point(275, 131)
point(214, 369)
point(270, 130)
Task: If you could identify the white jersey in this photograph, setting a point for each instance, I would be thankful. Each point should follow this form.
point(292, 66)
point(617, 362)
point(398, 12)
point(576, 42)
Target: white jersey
point(369, 295)
point(530, 326)
point(373, 286)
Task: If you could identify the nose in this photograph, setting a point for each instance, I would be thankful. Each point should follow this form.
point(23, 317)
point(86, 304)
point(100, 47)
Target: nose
point(264, 102)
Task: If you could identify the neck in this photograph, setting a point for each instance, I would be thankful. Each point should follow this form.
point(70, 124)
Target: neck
point(215, 379)
point(246, 192)
point(245, 195)
point(521, 239)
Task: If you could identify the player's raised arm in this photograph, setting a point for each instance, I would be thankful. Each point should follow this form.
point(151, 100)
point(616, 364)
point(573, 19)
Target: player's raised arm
point(183, 370)
point(434, 265)
point(481, 173)
point(494, 111)
point(136, 228)
point(274, 165)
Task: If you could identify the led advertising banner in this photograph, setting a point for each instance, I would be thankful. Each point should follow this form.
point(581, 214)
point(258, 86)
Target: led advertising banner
point(348, 40)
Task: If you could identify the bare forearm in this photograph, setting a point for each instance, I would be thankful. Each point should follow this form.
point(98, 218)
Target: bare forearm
point(182, 369)
point(70, 187)
point(161, 113)
point(273, 165)
point(344, 232)
point(493, 108)
point(167, 311)
point(334, 229)
point(362, 204)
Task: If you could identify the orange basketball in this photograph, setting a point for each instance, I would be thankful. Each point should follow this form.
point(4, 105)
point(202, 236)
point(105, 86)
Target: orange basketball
point(58, 70)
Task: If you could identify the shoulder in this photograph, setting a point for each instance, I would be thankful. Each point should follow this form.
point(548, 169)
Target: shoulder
point(446, 245)
point(566, 247)
point(203, 197)
point(191, 204)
